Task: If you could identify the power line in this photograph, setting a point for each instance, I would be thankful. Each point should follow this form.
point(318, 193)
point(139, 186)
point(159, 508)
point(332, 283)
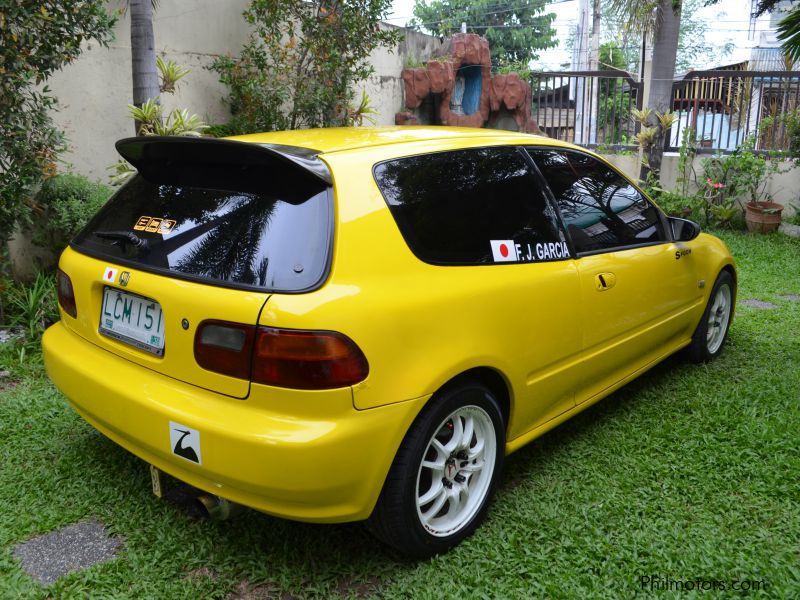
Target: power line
point(488, 12)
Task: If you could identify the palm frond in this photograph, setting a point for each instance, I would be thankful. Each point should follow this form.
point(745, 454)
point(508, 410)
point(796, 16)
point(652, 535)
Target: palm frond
point(637, 16)
point(789, 34)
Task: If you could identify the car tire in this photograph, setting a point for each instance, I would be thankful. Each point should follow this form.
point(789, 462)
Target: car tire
point(712, 331)
point(443, 477)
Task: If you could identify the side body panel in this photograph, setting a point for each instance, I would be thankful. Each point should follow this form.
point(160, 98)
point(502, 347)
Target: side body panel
point(650, 306)
point(420, 325)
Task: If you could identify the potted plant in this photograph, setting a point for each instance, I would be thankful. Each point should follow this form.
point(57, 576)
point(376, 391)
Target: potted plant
point(762, 216)
point(740, 178)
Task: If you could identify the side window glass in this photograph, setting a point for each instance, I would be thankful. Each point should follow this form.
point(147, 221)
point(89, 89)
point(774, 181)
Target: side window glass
point(600, 208)
point(472, 206)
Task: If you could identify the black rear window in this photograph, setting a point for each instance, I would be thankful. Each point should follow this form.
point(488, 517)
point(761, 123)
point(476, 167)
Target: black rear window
point(267, 240)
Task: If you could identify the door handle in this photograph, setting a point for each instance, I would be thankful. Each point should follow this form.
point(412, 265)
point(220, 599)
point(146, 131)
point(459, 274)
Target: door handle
point(604, 281)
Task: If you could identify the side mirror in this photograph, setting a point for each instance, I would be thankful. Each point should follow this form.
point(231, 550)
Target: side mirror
point(683, 230)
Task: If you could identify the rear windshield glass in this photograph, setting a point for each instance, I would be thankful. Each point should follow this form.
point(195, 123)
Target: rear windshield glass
point(235, 239)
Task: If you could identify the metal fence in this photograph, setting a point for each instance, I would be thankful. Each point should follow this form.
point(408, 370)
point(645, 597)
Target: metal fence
point(724, 108)
point(591, 108)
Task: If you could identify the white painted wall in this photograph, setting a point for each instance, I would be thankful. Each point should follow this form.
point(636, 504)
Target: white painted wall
point(385, 86)
point(95, 90)
point(782, 187)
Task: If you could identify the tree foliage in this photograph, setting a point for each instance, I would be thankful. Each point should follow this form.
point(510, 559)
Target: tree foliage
point(516, 29)
point(613, 98)
point(300, 64)
point(789, 34)
point(694, 49)
point(36, 39)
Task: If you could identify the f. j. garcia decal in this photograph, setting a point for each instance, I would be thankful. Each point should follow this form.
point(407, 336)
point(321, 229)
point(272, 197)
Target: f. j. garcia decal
point(510, 251)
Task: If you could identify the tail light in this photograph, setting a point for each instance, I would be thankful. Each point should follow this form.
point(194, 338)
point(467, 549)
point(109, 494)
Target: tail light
point(291, 358)
point(66, 295)
point(224, 347)
point(310, 360)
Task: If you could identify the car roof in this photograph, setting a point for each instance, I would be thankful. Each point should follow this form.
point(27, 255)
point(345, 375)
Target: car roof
point(339, 139)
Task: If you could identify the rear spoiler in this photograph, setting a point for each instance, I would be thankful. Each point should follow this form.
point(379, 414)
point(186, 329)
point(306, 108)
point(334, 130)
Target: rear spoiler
point(227, 164)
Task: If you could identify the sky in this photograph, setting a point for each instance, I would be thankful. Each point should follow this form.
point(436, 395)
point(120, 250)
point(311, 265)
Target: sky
point(728, 20)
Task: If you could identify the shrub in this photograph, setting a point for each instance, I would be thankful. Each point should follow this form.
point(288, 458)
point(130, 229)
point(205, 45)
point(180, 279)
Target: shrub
point(729, 181)
point(66, 203)
point(33, 307)
point(678, 205)
point(301, 62)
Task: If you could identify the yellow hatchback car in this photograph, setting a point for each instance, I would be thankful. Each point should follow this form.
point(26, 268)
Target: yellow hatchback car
point(347, 324)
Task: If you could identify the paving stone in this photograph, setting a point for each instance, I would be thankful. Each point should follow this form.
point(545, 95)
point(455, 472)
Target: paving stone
point(789, 229)
point(758, 304)
point(792, 297)
point(73, 548)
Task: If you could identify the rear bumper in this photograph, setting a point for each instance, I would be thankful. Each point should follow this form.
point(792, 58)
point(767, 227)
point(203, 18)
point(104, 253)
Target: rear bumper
point(297, 454)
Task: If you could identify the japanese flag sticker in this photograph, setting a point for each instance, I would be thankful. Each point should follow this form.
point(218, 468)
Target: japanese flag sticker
point(504, 250)
point(109, 274)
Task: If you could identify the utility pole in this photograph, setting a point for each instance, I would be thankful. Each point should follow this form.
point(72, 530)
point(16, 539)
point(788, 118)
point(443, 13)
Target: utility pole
point(579, 63)
point(594, 65)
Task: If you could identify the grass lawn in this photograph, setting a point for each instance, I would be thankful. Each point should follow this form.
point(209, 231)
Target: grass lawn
point(690, 472)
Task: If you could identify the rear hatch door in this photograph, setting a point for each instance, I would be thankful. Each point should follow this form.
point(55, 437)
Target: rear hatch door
point(206, 230)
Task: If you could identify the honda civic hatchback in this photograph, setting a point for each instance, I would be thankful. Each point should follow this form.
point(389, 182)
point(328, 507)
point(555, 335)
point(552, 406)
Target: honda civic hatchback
point(360, 324)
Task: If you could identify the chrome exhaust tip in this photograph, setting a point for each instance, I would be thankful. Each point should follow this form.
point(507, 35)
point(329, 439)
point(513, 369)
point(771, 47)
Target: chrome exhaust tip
point(218, 508)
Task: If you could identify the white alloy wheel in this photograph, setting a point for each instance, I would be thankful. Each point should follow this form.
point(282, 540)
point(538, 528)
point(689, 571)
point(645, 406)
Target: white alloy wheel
point(455, 474)
point(718, 317)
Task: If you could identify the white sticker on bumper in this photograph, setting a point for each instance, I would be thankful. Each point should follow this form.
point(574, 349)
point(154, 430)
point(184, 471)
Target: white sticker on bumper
point(185, 442)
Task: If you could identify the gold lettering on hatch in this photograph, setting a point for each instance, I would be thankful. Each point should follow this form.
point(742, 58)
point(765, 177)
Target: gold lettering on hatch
point(154, 224)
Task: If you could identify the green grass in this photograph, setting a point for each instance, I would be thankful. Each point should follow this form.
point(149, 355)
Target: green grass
point(689, 472)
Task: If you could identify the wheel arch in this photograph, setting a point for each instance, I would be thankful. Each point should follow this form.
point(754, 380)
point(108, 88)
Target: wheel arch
point(730, 269)
point(490, 377)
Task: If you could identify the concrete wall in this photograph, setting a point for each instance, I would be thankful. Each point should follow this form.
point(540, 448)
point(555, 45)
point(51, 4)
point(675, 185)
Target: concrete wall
point(782, 187)
point(95, 90)
point(385, 86)
point(627, 163)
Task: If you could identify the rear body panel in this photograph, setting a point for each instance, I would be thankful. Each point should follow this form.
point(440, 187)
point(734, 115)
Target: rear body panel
point(296, 454)
point(180, 300)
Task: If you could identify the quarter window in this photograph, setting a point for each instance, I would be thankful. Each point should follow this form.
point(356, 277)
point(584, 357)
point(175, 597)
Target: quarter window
point(471, 206)
point(599, 207)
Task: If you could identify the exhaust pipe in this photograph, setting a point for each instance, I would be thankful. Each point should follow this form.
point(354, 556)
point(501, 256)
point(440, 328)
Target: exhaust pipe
point(218, 508)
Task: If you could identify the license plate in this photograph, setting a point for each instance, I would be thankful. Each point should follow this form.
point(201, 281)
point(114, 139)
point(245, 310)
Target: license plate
point(133, 319)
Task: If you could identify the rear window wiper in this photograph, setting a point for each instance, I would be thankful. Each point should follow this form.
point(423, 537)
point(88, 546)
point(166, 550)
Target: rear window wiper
point(120, 238)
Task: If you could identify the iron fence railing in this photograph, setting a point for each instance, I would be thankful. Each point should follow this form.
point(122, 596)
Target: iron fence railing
point(724, 108)
point(591, 108)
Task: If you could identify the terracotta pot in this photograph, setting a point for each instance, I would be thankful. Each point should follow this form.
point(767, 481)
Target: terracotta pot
point(763, 217)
